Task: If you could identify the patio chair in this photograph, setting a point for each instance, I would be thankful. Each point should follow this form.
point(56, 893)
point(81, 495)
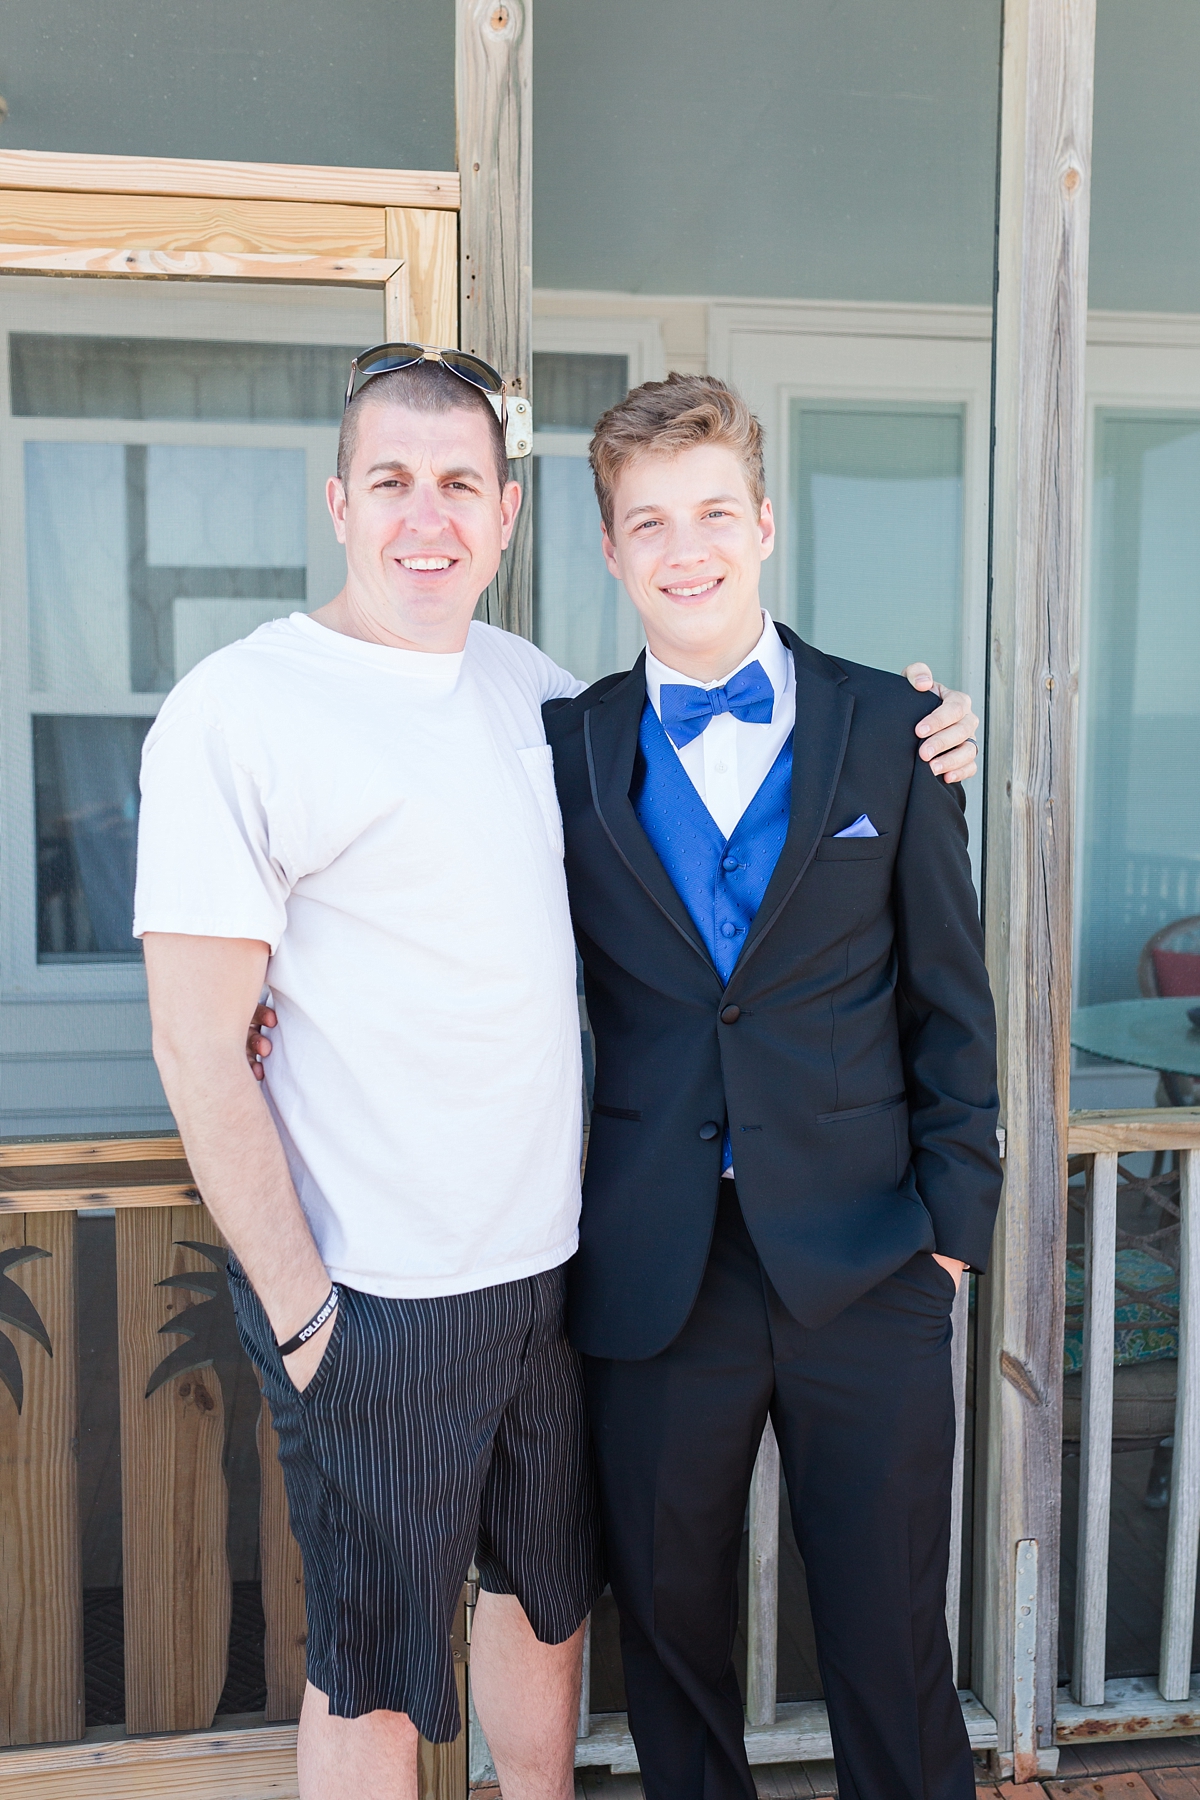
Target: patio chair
point(1169, 968)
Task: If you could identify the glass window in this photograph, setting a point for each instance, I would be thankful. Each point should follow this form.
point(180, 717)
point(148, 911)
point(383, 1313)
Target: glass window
point(581, 615)
point(165, 497)
point(85, 773)
point(1140, 843)
point(877, 532)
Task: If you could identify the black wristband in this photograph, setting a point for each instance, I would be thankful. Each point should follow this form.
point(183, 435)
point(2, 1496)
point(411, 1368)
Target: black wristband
point(314, 1325)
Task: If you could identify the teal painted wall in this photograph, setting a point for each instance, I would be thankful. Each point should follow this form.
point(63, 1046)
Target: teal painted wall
point(828, 149)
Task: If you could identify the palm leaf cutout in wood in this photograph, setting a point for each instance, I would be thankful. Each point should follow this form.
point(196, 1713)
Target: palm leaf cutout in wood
point(209, 1326)
point(18, 1310)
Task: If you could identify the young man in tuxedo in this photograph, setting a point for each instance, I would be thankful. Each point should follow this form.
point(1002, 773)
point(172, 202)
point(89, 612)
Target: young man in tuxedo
point(793, 1154)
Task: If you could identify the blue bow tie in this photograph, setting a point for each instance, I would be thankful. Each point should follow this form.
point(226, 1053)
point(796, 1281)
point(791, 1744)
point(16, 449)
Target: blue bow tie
point(686, 711)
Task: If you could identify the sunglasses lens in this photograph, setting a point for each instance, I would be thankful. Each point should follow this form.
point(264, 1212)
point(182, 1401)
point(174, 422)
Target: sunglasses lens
point(474, 370)
point(381, 361)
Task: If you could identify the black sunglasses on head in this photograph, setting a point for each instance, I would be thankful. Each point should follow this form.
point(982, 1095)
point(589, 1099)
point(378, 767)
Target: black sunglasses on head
point(515, 416)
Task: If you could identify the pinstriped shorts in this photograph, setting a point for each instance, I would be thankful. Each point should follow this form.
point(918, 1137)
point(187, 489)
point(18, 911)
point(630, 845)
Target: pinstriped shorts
point(433, 1432)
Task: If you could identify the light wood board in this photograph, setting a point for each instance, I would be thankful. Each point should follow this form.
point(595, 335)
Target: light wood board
point(1155, 1128)
point(232, 180)
point(174, 1498)
point(41, 1591)
point(158, 222)
point(426, 289)
point(47, 1152)
point(254, 1764)
point(495, 155)
point(108, 260)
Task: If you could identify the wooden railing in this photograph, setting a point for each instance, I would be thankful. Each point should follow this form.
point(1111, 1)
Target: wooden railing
point(175, 1329)
point(1099, 1143)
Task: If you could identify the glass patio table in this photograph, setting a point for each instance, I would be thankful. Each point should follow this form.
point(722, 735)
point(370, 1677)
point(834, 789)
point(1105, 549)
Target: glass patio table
point(1152, 1034)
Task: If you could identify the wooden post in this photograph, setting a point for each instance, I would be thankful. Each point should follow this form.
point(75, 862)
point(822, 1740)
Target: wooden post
point(41, 1589)
point(1041, 316)
point(1096, 1425)
point(493, 81)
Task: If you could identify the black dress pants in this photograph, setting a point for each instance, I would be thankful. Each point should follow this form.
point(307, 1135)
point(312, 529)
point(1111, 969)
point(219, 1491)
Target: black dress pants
point(863, 1410)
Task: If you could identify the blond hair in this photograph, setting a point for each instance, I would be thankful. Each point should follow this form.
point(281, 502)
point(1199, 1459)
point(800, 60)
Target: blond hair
point(661, 418)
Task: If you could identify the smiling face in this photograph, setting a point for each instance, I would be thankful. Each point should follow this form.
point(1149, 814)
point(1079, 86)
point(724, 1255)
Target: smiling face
point(688, 543)
point(424, 520)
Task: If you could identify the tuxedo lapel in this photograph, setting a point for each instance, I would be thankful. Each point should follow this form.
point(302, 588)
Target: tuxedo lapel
point(823, 713)
point(610, 730)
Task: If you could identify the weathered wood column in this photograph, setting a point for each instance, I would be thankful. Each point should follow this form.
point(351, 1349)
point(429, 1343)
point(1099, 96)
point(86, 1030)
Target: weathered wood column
point(1041, 318)
point(494, 68)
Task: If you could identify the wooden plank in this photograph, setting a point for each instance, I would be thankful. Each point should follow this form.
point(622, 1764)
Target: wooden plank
point(255, 1764)
point(1156, 1128)
point(1095, 1465)
point(175, 1502)
point(46, 1153)
point(1109, 1787)
point(282, 1582)
point(442, 1768)
point(226, 180)
point(762, 1626)
point(163, 1194)
point(1172, 1784)
point(800, 1734)
point(960, 1326)
point(584, 1724)
point(41, 1589)
point(194, 265)
point(495, 142)
point(1183, 1530)
point(1041, 316)
point(427, 243)
point(154, 222)
point(1133, 1708)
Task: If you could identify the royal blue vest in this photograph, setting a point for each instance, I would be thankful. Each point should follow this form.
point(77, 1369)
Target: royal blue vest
point(721, 882)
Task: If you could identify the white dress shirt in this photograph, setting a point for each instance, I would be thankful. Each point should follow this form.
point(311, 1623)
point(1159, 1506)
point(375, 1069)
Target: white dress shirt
point(731, 758)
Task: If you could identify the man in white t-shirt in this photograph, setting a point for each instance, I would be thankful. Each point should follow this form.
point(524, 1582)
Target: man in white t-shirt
point(358, 805)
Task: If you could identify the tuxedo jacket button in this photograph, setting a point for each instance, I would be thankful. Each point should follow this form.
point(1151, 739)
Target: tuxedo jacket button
point(710, 1130)
point(730, 1015)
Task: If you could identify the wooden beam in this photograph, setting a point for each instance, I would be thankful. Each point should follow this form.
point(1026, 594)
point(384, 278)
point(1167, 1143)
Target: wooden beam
point(155, 222)
point(52, 169)
point(494, 69)
point(1045, 148)
point(426, 243)
point(1156, 1128)
point(44, 1152)
point(194, 265)
point(250, 1764)
point(174, 1498)
point(41, 1586)
point(72, 1199)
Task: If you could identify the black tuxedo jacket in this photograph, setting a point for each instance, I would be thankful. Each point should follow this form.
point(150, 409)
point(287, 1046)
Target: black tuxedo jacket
point(852, 1050)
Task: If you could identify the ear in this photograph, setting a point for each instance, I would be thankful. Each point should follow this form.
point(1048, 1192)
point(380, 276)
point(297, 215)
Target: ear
point(510, 506)
point(766, 529)
point(335, 500)
point(610, 554)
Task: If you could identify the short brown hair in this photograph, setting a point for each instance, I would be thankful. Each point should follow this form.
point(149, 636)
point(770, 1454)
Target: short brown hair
point(426, 388)
point(661, 418)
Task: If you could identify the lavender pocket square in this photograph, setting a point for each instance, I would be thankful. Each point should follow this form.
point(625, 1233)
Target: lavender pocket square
point(862, 827)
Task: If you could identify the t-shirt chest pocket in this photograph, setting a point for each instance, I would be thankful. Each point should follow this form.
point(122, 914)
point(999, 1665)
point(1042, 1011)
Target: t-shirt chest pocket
point(538, 763)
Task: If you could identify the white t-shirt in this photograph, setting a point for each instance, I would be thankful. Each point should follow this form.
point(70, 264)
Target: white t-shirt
point(386, 821)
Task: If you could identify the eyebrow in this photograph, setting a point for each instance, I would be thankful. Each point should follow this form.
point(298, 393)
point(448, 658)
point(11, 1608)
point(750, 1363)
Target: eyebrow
point(713, 500)
point(394, 465)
